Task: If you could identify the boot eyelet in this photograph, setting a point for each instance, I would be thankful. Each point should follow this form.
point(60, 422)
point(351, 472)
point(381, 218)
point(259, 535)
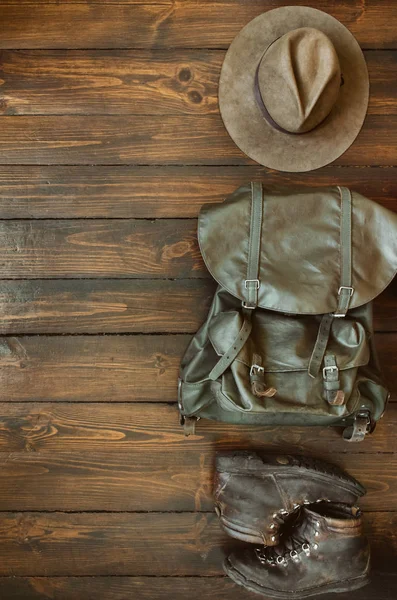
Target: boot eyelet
point(275, 515)
point(280, 560)
point(306, 502)
point(273, 538)
point(284, 512)
point(316, 533)
point(306, 549)
point(317, 523)
point(315, 546)
point(294, 555)
point(296, 506)
point(273, 526)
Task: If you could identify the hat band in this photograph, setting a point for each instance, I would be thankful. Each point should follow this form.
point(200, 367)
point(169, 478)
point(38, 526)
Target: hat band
point(262, 106)
point(259, 99)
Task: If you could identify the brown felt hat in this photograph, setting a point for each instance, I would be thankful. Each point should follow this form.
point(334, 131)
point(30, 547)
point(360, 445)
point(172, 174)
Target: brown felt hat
point(294, 87)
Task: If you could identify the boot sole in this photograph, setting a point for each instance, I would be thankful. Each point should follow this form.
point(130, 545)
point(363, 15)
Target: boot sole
point(348, 585)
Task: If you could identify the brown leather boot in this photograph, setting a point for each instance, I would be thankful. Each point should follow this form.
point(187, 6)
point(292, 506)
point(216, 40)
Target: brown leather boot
point(254, 495)
point(325, 553)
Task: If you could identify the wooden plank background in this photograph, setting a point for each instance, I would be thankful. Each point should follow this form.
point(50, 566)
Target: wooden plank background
point(110, 142)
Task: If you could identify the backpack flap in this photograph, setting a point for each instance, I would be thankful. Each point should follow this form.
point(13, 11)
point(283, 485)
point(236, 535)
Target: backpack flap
point(301, 256)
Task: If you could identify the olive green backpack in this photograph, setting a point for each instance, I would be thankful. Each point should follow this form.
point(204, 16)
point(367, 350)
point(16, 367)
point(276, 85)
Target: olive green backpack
point(289, 336)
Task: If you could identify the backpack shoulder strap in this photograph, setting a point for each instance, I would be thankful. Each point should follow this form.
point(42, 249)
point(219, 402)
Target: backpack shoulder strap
point(345, 291)
point(252, 283)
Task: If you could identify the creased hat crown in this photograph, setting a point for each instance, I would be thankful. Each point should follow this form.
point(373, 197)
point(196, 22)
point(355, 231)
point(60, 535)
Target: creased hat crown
point(299, 78)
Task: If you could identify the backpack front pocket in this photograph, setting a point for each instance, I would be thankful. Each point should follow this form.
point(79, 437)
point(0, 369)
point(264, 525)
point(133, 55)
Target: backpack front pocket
point(282, 345)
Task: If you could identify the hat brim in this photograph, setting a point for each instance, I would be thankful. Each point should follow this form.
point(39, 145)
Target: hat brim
point(242, 116)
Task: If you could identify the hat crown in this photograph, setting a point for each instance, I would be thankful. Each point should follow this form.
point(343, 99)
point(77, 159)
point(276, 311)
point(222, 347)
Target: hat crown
point(299, 78)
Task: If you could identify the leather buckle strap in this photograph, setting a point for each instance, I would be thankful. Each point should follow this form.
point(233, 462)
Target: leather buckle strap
point(320, 346)
point(226, 360)
point(189, 424)
point(332, 392)
point(346, 290)
point(361, 426)
point(257, 379)
point(252, 283)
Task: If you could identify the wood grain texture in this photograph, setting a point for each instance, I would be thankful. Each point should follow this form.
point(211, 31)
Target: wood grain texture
point(100, 248)
point(382, 587)
point(136, 458)
point(106, 82)
point(166, 24)
point(40, 192)
point(90, 368)
point(96, 248)
point(51, 428)
point(177, 140)
point(153, 480)
point(111, 368)
point(126, 306)
point(109, 111)
point(59, 544)
point(108, 306)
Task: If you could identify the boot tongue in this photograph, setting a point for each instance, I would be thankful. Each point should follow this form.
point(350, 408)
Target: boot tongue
point(330, 516)
point(331, 511)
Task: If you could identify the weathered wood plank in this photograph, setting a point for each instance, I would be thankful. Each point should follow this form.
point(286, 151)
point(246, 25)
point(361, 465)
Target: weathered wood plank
point(41, 192)
point(58, 544)
point(90, 368)
point(382, 587)
point(92, 248)
point(130, 458)
point(179, 139)
point(125, 306)
point(165, 24)
point(96, 248)
point(111, 368)
point(81, 82)
point(108, 306)
point(157, 481)
point(86, 306)
point(127, 427)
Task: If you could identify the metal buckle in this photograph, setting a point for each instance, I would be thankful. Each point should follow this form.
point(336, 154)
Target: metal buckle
point(364, 414)
point(331, 369)
point(346, 287)
point(188, 424)
point(362, 424)
point(256, 281)
point(351, 292)
point(245, 305)
point(180, 405)
point(255, 369)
